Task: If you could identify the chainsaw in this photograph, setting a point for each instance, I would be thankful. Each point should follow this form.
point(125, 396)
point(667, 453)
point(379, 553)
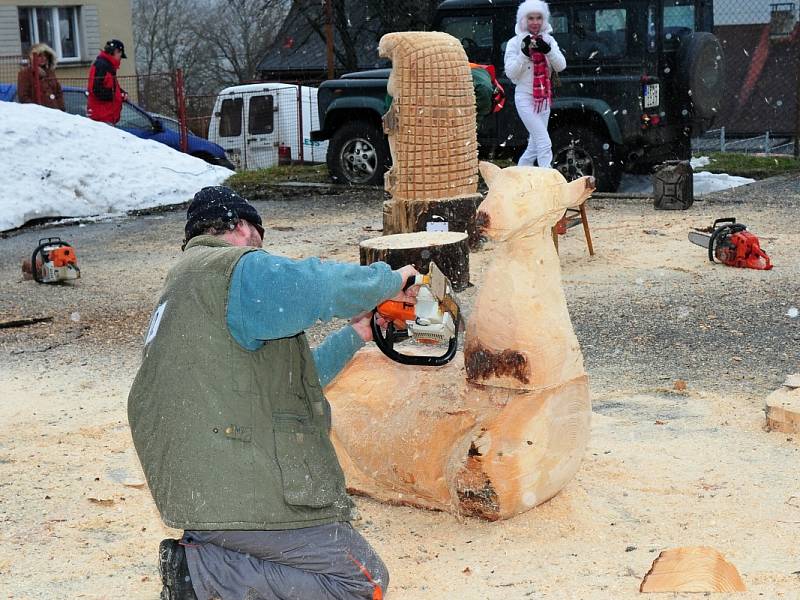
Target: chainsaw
point(433, 320)
point(52, 261)
point(731, 244)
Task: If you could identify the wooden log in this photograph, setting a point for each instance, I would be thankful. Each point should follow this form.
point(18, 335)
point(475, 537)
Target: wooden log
point(449, 250)
point(692, 569)
point(456, 214)
point(424, 437)
point(783, 407)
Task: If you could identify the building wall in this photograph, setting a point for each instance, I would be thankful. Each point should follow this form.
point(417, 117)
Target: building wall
point(100, 21)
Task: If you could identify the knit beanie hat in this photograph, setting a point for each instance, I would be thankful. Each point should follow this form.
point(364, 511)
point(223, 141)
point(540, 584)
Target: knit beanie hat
point(218, 207)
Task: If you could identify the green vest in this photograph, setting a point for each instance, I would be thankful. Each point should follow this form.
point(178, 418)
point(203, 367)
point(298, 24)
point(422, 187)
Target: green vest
point(229, 438)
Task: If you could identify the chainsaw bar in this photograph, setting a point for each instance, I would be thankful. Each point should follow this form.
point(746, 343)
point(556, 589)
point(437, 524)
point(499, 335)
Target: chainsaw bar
point(701, 239)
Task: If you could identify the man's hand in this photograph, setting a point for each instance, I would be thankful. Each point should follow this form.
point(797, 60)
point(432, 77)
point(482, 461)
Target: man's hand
point(361, 323)
point(541, 46)
point(526, 45)
point(407, 272)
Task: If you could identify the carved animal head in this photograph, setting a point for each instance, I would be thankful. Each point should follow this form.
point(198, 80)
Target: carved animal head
point(526, 200)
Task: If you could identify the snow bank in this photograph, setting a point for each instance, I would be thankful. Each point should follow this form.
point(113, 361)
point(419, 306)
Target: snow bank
point(53, 164)
point(704, 182)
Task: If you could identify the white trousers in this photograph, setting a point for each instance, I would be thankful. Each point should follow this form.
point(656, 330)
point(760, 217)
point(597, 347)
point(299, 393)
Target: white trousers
point(539, 149)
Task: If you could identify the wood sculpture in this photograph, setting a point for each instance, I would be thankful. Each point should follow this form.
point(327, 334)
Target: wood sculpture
point(692, 569)
point(504, 426)
point(432, 134)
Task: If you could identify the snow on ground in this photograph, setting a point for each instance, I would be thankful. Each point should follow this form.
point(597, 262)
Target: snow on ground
point(704, 182)
point(53, 164)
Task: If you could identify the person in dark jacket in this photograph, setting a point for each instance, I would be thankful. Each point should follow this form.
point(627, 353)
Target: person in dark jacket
point(105, 94)
point(37, 83)
point(230, 422)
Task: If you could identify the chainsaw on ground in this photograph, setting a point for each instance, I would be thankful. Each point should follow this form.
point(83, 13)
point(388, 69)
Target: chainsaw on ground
point(53, 261)
point(731, 244)
point(433, 321)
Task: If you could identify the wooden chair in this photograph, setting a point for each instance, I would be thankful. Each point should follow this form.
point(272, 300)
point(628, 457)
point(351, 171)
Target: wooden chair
point(573, 217)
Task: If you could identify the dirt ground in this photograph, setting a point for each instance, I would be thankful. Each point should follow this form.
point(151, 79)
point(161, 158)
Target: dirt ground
point(665, 467)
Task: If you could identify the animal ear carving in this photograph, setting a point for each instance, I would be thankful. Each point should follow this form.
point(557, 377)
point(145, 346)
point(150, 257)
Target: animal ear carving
point(489, 171)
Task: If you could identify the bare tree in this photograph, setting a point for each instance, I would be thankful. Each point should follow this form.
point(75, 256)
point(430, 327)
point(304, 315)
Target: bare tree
point(239, 33)
point(215, 42)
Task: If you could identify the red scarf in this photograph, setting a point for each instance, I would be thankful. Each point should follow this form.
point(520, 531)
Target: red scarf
point(542, 89)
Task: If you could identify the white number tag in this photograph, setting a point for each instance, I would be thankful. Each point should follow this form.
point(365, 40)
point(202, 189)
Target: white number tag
point(155, 321)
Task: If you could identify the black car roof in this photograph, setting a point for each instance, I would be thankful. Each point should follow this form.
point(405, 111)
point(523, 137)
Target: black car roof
point(451, 4)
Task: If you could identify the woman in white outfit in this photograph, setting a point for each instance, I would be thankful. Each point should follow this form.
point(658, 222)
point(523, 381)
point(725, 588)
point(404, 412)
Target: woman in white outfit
point(531, 57)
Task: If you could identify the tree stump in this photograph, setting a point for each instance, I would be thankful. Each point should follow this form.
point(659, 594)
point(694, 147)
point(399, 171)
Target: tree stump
point(692, 569)
point(449, 250)
point(451, 214)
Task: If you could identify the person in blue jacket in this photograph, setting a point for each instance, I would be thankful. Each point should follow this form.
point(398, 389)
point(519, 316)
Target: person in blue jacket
point(230, 422)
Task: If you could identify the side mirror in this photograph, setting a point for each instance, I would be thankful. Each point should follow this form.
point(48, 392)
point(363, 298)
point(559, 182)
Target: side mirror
point(158, 125)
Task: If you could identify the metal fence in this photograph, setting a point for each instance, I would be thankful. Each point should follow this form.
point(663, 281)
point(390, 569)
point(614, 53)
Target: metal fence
point(257, 125)
point(761, 40)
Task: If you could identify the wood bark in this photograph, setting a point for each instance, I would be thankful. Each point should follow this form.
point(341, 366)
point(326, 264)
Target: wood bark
point(404, 216)
point(503, 427)
point(448, 250)
point(692, 569)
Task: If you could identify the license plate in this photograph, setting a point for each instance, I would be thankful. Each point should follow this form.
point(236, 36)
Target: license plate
point(651, 95)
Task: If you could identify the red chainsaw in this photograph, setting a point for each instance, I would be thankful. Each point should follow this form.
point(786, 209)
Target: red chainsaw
point(731, 244)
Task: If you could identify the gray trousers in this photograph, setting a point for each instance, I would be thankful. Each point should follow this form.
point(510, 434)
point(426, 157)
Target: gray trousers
point(326, 562)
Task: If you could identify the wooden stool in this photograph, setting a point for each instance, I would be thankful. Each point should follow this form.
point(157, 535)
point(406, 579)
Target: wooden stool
point(573, 217)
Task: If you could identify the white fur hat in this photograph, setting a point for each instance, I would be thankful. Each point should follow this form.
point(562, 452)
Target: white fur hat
point(532, 6)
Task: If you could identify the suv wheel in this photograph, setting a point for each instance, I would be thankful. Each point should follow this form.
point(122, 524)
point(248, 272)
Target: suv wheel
point(701, 70)
point(579, 151)
point(358, 153)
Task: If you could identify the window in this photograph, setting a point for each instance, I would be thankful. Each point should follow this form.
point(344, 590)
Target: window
point(600, 33)
point(133, 118)
point(55, 26)
point(259, 119)
point(230, 122)
point(75, 102)
point(474, 33)
point(679, 20)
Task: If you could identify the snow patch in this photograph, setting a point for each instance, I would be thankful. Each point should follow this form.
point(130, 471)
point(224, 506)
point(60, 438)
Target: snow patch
point(53, 164)
point(704, 182)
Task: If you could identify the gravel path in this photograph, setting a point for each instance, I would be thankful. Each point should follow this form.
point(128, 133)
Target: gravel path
point(666, 466)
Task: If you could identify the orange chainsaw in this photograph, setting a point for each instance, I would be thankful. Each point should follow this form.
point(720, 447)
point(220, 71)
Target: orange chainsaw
point(53, 261)
point(432, 321)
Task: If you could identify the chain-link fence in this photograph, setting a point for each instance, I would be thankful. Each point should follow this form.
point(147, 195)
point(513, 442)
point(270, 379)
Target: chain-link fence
point(761, 40)
point(154, 106)
point(249, 126)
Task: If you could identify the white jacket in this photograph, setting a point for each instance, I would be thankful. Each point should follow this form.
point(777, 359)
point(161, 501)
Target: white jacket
point(518, 67)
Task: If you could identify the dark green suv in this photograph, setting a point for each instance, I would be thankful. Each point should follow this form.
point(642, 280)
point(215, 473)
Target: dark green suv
point(642, 77)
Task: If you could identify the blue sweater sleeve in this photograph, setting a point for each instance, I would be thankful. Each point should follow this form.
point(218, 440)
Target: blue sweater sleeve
point(271, 297)
point(335, 352)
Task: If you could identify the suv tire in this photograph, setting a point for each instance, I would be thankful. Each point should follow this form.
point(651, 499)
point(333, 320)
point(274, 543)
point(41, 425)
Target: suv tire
point(358, 153)
point(579, 151)
point(701, 73)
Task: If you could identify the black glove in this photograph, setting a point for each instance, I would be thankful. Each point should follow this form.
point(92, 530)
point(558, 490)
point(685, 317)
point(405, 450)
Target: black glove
point(541, 46)
point(526, 45)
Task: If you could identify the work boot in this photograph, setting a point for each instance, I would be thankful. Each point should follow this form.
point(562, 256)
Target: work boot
point(174, 572)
